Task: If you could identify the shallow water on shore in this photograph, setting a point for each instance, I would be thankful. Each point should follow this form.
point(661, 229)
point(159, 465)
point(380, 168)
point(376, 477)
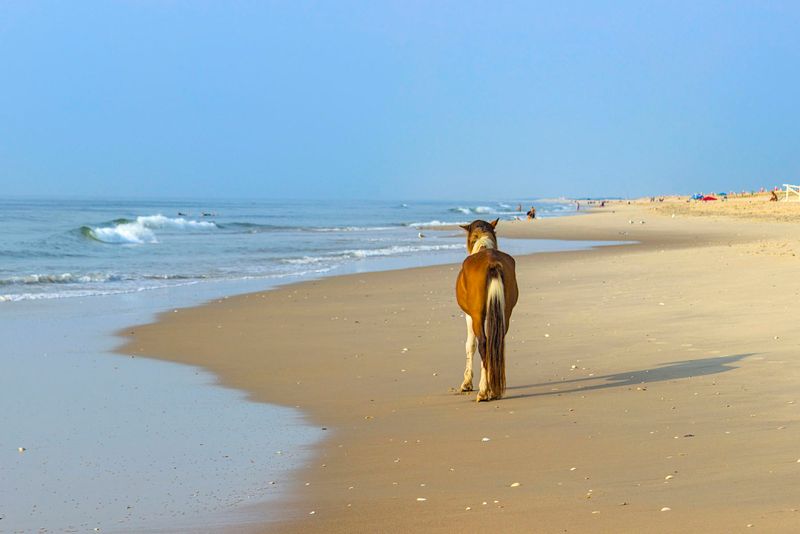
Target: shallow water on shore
point(115, 442)
point(128, 444)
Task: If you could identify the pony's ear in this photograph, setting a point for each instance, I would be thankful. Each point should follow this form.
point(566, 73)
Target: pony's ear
point(465, 227)
point(494, 222)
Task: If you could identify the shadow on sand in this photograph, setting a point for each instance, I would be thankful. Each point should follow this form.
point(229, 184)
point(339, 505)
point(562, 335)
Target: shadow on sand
point(667, 371)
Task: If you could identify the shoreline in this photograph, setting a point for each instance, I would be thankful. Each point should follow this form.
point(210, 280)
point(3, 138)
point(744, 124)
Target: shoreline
point(341, 361)
point(87, 417)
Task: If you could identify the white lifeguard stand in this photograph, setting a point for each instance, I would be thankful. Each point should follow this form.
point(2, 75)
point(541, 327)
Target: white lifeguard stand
point(792, 190)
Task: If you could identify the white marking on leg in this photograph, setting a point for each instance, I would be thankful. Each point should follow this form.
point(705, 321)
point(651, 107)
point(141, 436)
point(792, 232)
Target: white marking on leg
point(482, 393)
point(471, 346)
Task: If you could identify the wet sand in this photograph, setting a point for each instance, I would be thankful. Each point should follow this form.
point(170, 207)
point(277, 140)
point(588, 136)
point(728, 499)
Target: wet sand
point(651, 386)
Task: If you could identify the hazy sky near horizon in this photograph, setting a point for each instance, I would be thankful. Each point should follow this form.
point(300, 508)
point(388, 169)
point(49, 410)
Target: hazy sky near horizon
point(411, 100)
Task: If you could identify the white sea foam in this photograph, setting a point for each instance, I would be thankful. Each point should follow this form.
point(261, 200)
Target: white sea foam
point(502, 208)
point(435, 223)
point(293, 274)
point(140, 231)
point(354, 229)
point(16, 297)
point(398, 249)
point(160, 221)
point(130, 233)
point(87, 278)
point(63, 278)
point(394, 250)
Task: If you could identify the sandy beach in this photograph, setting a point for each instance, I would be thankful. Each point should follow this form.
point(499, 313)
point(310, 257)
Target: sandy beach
point(651, 386)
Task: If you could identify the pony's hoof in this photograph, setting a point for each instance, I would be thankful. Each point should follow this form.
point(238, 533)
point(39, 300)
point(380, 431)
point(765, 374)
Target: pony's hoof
point(481, 398)
point(466, 388)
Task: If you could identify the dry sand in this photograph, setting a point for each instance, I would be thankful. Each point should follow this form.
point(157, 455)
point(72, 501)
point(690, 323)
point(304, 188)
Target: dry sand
point(652, 387)
point(757, 207)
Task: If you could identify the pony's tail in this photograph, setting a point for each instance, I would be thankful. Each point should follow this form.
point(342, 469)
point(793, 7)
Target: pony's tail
point(495, 329)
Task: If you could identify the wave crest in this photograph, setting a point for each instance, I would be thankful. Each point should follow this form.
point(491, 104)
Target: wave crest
point(481, 209)
point(140, 231)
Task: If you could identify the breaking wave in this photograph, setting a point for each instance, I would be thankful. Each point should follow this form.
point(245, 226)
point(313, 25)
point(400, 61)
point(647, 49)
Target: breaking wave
point(500, 209)
point(141, 230)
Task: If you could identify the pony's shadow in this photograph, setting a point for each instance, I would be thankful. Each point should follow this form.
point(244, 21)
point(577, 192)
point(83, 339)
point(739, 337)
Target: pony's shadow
point(667, 371)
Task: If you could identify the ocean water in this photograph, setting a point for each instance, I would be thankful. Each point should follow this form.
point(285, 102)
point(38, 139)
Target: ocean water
point(127, 444)
point(58, 249)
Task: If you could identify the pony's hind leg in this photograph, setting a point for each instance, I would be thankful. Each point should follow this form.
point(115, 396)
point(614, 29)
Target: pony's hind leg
point(471, 345)
point(483, 388)
point(483, 393)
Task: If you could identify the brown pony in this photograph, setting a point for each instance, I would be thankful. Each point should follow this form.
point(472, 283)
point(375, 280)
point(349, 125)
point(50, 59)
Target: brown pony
point(486, 290)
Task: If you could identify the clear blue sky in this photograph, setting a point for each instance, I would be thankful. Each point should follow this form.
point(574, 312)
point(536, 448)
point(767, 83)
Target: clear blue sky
point(397, 99)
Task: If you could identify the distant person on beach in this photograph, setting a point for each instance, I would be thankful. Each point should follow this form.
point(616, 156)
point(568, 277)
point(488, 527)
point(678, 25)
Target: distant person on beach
point(773, 197)
point(531, 213)
point(577, 206)
point(519, 207)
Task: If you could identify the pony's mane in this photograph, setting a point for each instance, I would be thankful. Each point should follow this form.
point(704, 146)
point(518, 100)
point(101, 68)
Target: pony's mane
point(484, 241)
